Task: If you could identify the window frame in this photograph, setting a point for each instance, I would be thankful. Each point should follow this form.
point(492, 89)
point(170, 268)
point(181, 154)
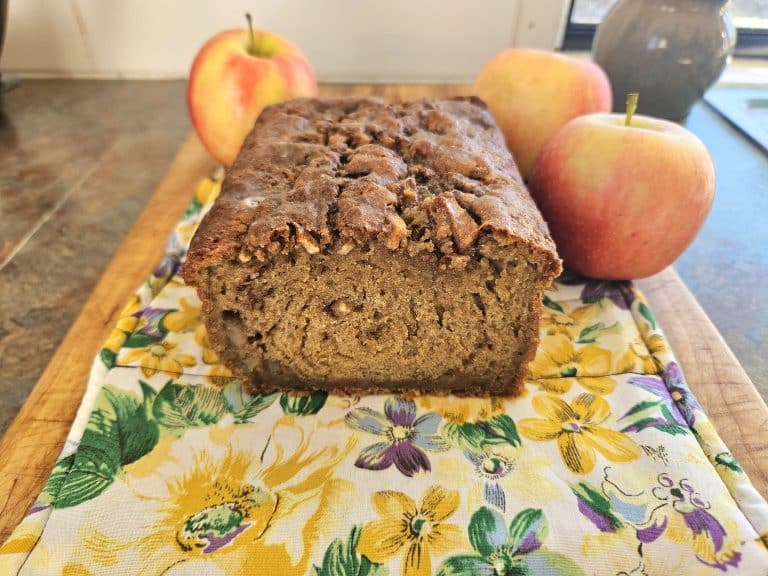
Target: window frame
point(750, 43)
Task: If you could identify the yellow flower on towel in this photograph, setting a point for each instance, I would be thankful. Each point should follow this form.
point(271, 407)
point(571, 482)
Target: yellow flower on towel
point(159, 357)
point(186, 319)
point(201, 339)
point(577, 428)
point(205, 194)
point(208, 190)
point(501, 475)
point(568, 322)
point(460, 410)
point(642, 355)
point(126, 324)
point(557, 356)
point(415, 530)
point(218, 374)
point(15, 550)
point(599, 385)
point(221, 499)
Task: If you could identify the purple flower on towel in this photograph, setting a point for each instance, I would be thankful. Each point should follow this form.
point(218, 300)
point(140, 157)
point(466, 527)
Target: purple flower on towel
point(620, 293)
point(404, 437)
point(150, 322)
point(174, 252)
point(680, 393)
point(673, 388)
point(653, 512)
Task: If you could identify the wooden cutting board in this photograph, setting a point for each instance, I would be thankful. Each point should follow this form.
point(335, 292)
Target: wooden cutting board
point(30, 447)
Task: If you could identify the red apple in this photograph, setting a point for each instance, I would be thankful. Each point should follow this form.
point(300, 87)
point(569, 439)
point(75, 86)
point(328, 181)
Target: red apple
point(234, 76)
point(533, 93)
point(623, 196)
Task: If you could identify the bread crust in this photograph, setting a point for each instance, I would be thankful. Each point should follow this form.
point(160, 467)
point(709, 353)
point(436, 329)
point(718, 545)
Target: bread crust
point(333, 174)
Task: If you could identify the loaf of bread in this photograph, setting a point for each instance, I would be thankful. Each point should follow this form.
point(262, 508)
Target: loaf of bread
point(361, 246)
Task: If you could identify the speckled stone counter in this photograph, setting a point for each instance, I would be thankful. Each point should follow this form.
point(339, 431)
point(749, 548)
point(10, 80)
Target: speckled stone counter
point(78, 161)
point(727, 266)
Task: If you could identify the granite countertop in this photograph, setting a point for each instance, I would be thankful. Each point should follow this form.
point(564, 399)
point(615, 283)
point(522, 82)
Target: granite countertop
point(79, 160)
point(727, 265)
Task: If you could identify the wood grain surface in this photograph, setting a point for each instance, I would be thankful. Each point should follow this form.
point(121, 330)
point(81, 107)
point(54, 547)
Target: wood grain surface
point(29, 448)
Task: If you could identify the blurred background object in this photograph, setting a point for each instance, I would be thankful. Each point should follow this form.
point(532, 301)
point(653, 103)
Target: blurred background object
point(748, 13)
point(395, 41)
point(7, 81)
point(744, 107)
point(3, 20)
point(670, 51)
point(749, 16)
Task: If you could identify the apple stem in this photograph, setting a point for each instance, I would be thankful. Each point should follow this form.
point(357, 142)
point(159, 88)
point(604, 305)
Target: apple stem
point(632, 99)
point(252, 46)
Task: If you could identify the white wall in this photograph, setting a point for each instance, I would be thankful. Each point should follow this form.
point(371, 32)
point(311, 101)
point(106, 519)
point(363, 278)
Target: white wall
point(346, 40)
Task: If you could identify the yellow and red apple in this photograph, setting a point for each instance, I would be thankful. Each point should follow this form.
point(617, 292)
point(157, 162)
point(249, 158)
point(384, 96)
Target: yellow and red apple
point(533, 93)
point(623, 196)
point(234, 76)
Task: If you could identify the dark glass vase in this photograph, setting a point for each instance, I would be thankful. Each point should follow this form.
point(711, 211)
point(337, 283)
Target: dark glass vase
point(3, 20)
point(670, 51)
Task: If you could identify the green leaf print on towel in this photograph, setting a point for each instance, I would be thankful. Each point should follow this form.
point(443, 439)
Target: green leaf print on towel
point(518, 551)
point(341, 559)
point(303, 405)
point(120, 431)
point(185, 406)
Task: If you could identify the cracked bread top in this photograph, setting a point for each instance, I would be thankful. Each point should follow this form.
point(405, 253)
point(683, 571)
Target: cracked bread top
point(431, 177)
